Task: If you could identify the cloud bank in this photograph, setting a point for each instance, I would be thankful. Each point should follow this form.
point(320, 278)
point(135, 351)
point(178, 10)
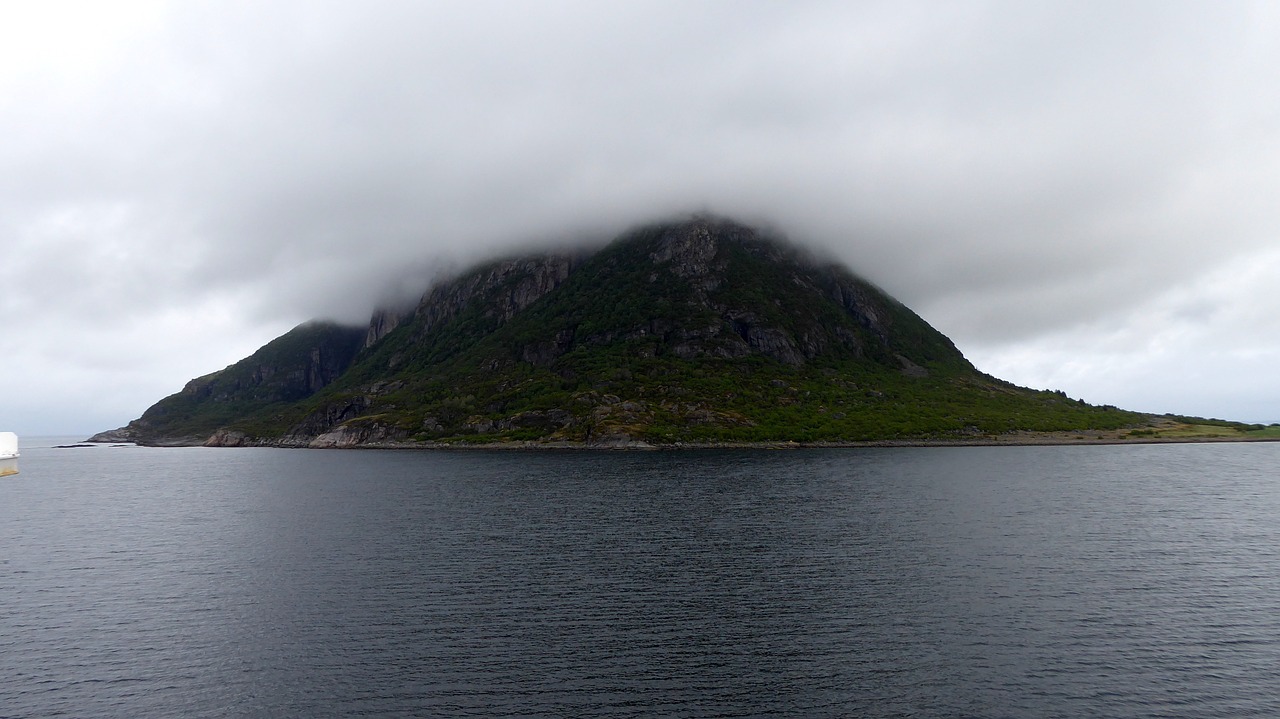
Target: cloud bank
point(1081, 195)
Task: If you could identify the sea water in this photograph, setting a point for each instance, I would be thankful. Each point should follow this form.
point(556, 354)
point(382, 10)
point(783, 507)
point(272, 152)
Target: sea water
point(1118, 581)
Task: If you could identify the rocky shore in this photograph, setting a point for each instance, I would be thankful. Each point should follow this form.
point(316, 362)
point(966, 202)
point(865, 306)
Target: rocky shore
point(337, 440)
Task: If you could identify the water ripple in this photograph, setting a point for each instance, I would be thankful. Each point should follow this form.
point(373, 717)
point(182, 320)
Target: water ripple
point(976, 582)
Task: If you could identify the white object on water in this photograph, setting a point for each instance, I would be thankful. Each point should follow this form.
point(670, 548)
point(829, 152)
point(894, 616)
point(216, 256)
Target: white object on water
point(8, 454)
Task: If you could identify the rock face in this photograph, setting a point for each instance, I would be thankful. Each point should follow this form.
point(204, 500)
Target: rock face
point(502, 290)
point(382, 322)
point(690, 331)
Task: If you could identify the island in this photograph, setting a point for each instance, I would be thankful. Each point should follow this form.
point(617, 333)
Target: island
point(698, 332)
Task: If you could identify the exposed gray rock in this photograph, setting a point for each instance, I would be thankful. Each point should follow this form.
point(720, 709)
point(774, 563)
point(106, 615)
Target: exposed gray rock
point(346, 436)
point(911, 369)
point(328, 417)
point(688, 249)
point(382, 323)
point(506, 287)
point(226, 438)
point(618, 441)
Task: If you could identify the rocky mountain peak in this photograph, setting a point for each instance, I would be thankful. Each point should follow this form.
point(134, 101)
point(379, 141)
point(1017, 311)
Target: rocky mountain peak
point(688, 248)
point(698, 330)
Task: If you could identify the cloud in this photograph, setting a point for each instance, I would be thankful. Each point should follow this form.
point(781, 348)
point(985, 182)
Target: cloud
point(1196, 348)
point(1019, 174)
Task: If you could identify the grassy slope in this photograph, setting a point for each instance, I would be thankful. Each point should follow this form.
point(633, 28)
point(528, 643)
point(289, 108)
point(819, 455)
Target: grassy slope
point(1181, 428)
point(241, 390)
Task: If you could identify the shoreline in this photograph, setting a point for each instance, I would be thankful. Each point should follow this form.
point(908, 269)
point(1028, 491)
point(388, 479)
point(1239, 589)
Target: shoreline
point(1015, 440)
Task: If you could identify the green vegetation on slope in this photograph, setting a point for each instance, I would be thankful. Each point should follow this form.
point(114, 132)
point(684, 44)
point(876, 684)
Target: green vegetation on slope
point(665, 401)
point(286, 370)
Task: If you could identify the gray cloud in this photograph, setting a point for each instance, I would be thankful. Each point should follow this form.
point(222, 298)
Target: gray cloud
point(1032, 178)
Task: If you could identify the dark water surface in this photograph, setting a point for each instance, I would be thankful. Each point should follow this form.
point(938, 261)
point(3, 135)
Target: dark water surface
point(1139, 581)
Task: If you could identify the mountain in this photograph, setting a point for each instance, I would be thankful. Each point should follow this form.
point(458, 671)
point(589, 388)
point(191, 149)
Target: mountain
point(701, 331)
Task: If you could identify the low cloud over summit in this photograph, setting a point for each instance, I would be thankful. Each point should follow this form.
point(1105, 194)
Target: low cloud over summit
point(1081, 195)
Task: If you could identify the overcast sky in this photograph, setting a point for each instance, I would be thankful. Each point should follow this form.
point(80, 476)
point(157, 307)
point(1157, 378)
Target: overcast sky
point(1083, 195)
